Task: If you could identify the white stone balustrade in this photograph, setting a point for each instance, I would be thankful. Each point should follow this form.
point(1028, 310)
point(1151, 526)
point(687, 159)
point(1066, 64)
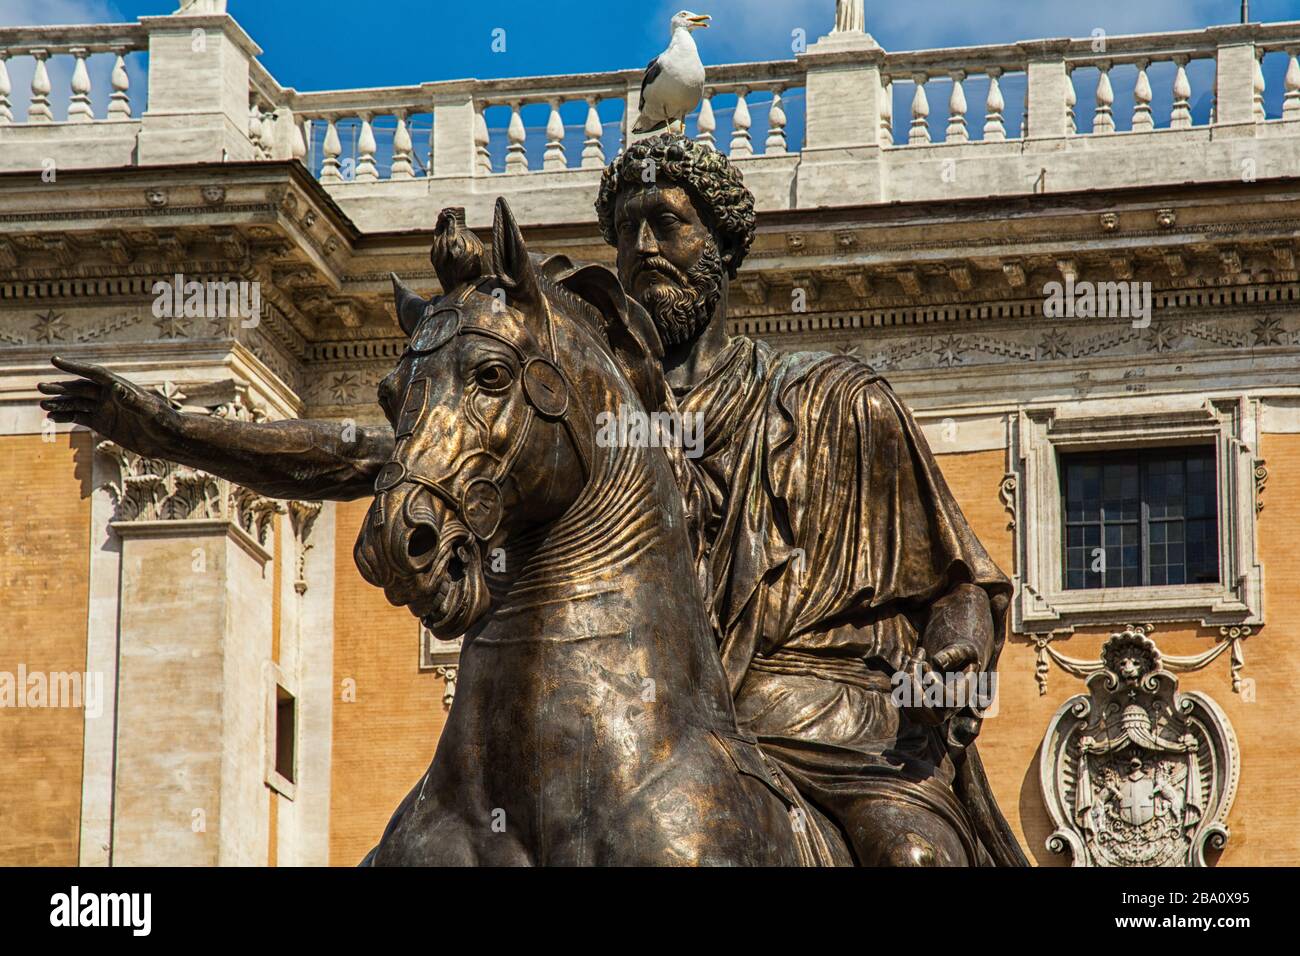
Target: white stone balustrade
point(845, 122)
point(66, 51)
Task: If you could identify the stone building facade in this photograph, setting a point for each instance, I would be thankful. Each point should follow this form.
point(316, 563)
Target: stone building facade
point(1087, 262)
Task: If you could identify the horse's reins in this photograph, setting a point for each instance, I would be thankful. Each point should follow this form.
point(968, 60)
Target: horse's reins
point(546, 390)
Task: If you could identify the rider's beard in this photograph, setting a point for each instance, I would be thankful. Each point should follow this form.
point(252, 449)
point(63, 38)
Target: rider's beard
point(681, 310)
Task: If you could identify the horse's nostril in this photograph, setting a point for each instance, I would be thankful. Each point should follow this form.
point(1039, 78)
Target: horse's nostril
point(423, 544)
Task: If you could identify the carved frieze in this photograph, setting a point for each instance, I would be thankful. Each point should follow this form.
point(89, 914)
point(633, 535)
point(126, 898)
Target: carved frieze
point(1134, 772)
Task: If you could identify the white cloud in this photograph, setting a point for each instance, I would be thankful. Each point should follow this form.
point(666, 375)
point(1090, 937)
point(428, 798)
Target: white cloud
point(17, 13)
point(760, 29)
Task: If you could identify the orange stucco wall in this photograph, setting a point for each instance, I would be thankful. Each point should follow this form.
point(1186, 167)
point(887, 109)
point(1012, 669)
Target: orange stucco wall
point(385, 738)
point(44, 575)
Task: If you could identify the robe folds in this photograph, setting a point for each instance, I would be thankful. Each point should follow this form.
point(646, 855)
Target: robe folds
point(828, 530)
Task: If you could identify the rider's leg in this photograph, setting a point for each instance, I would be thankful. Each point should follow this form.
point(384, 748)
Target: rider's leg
point(887, 833)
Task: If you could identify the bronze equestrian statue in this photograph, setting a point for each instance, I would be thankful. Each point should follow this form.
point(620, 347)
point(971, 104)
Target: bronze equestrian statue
point(833, 554)
point(594, 725)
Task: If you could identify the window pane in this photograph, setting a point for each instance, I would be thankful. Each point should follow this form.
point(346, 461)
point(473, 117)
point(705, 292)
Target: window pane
point(1135, 514)
point(1120, 492)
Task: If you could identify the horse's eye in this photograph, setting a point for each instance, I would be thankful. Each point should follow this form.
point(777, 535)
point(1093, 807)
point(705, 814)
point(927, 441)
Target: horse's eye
point(494, 377)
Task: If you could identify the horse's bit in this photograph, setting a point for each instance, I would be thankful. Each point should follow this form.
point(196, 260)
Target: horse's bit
point(547, 392)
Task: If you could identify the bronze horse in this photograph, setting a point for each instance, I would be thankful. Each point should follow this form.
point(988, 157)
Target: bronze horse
point(592, 722)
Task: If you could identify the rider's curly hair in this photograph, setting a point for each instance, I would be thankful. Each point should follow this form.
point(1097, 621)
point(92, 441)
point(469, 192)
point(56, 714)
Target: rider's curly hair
point(713, 183)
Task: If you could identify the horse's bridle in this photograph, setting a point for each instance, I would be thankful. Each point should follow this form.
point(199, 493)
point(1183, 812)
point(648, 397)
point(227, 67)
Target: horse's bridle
point(547, 391)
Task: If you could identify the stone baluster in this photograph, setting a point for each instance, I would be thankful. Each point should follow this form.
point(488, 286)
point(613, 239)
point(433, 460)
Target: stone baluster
point(1259, 89)
point(1290, 102)
point(269, 118)
point(79, 109)
point(402, 168)
point(1103, 119)
point(741, 144)
point(554, 156)
point(482, 157)
point(516, 154)
point(299, 137)
point(6, 87)
point(887, 112)
point(775, 144)
point(707, 124)
point(1071, 98)
point(255, 130)
point(333, 149)
point(956, 132)
point(119, 104)
point(39, 109)
point(428, 168)
point(995, 129)
point(1142, 120)
point(593, 150)
point(367, 171)
point(920, 131)
point(1180, 116)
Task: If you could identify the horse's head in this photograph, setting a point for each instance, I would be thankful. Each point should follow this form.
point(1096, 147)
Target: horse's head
point(492, 406)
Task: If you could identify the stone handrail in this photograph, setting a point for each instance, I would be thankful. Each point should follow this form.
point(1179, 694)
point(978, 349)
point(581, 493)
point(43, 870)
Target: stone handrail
point(466, 102)
point(843, 122)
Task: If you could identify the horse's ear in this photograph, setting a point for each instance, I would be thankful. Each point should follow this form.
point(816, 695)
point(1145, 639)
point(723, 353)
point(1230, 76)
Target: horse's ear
point(630, 331)
point(410, 307)
point(514, 268)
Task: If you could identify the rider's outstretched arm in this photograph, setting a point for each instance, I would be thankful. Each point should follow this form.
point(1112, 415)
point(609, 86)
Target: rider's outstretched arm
point(296, 458)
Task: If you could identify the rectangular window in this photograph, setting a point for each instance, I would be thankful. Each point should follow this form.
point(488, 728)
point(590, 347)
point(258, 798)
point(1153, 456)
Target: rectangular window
point(286, 733)
point(1140, 519)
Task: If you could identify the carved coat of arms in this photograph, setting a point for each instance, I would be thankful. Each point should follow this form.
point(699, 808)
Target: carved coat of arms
point(1134, 772)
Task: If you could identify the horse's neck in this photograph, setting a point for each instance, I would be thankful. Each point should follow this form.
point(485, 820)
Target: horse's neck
point(614, 531)
point(609, 530)
point(617, 565)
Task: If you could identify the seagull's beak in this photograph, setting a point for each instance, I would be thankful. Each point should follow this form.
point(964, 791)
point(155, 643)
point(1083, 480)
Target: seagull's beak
point(701, 20)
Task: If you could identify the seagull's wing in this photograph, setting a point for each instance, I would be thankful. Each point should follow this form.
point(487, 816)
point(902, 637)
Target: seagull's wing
point(652, 71)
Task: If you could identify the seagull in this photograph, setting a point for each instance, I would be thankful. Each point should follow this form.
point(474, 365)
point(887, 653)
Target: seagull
point(673, 84)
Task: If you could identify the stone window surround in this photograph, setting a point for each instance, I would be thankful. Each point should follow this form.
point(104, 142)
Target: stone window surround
point(275, 679)
point(1041, 434)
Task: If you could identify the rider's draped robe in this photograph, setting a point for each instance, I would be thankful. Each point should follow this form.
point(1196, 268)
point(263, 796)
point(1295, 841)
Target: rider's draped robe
point(829, 530)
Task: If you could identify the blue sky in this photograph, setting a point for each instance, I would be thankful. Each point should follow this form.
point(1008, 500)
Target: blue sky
point(327, 44)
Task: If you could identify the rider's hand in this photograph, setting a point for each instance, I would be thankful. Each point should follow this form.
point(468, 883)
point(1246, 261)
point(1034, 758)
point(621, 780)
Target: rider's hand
point(959, 655)
point(959, 633)
point(100, 400)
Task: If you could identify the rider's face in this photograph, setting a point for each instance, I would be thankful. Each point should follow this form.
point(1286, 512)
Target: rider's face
point(668, 259)
point(660, 238)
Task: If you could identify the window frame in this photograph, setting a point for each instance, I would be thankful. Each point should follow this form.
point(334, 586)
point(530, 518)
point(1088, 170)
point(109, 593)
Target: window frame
point(279, 688)
point(1032, 486)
